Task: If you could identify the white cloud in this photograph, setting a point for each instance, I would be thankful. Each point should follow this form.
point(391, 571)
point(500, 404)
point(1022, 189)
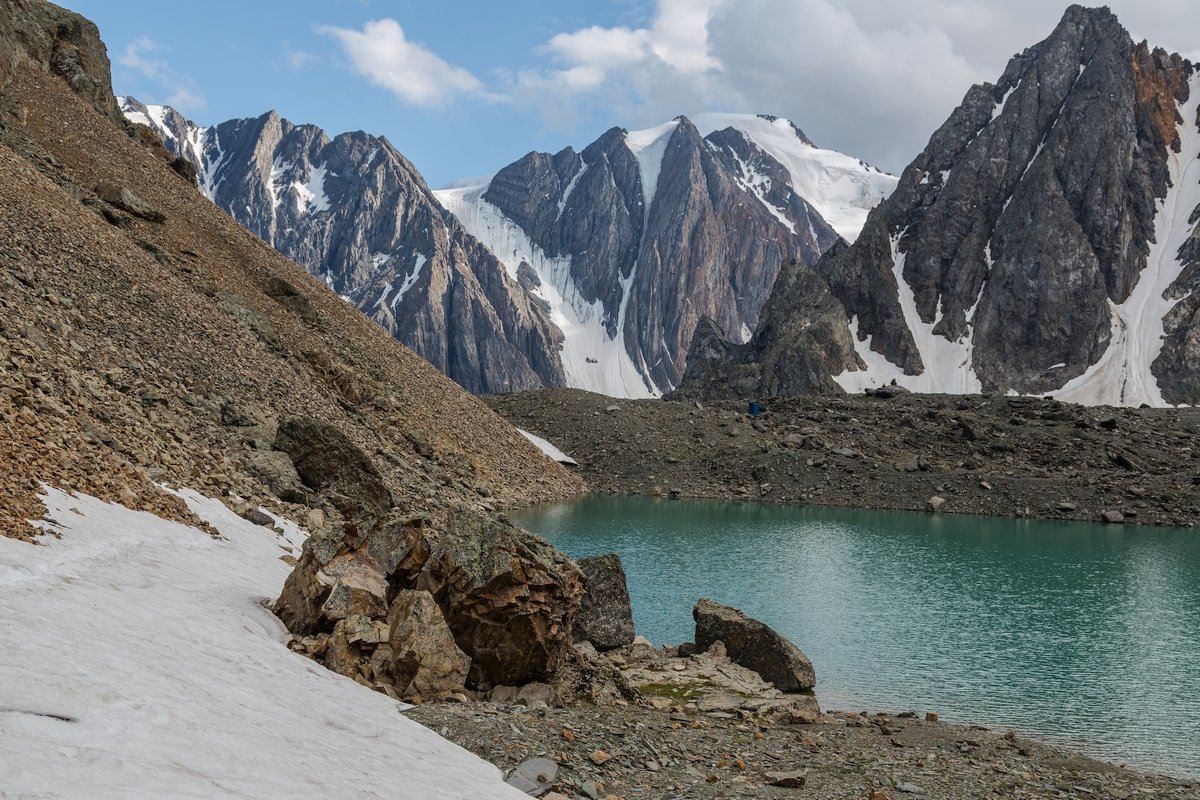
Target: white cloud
point(873, 78)
point(381, 53)
point(178, 91)
point(299, 59)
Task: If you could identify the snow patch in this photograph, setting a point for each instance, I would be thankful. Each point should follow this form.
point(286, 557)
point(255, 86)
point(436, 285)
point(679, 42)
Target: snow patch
point(648, 147)
point(547, 448)
point(591, 359)
point(562, 203)
point(410, 279)
point(187, 688)
point(948, 367)
point(310, 195)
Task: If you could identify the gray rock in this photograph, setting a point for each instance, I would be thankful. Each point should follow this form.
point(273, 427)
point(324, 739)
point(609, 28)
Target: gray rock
point(793, 779)
point(935, 503)
point(753, 645)
point(605, 617)
point(536, 695)
point(534, 776)
point(122, 198)
point(1112, 517)
point(333, 465)
point(258, 517)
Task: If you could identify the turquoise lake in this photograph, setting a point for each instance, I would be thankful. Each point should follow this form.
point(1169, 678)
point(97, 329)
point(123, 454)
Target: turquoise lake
point(1081, 634)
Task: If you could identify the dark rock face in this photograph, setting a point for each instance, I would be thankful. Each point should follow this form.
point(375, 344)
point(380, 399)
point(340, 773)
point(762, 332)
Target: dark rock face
point(332, 465)
point(605, 617)
point(707, 245)
point(801, 342)
point(1020, 233)
point(62, 43)
point(356, 214)
point(753, 645)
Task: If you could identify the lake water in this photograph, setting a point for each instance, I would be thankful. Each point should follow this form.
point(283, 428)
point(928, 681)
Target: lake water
point(1083, 634)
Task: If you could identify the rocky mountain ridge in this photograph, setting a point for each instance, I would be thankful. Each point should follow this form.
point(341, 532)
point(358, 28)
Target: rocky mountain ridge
point(636, 238)
point(356, 214)
point(619, 268)
point(1043, 243)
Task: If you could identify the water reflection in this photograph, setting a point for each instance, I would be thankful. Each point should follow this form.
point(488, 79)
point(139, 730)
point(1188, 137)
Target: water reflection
point(1086, 633)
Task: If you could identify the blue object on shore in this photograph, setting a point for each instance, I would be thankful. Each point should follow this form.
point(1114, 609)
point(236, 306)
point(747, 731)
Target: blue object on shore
point(755, 408)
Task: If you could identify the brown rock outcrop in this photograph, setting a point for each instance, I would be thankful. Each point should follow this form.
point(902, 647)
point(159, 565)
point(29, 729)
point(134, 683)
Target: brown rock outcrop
point(425, 660)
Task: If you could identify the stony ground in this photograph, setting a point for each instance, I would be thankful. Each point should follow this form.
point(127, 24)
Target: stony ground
point(677, 744)
point(1001, 456)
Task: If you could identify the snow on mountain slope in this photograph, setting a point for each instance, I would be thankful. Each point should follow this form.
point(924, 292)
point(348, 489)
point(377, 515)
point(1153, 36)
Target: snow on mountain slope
point(1122, 376)
point(162, 674)
point(843, 189)
point(649, 146)
point(591, 359)
point(948, 368)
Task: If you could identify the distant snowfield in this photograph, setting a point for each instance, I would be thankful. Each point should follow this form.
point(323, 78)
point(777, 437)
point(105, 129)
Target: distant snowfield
point(140, 662)
point(840, 187)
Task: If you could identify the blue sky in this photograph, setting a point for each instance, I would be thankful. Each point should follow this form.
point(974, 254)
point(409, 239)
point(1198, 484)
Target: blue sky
point(463, 88)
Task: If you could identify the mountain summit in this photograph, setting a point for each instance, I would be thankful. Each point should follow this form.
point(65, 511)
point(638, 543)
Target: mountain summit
point(1042, 243)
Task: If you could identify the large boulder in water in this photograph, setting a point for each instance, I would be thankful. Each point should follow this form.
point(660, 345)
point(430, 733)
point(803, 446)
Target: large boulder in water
point(606, 617)
point(754, 645)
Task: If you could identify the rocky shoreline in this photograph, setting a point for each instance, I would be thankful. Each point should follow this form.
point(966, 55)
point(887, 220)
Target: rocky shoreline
point(990, 455)
point(706, 728)
point(689, 733)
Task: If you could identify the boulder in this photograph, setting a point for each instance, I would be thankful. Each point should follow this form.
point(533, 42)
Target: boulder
point(120, 197)
point(425, 659)
point(509, 597)
point(605, 616)
point(753, 645)
point(332, 465)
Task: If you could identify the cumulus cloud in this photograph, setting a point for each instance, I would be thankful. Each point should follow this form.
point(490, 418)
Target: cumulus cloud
point(873, 78)
point(382, 54)
point(177, 90)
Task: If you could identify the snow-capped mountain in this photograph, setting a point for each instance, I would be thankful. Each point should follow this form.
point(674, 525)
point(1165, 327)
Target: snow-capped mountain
point(632, 241)
point(1043, 243)
point(354, 212)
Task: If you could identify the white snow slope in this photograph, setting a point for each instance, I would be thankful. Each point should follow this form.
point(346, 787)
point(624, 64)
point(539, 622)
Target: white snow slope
point(843, 189)
point(1122, 376)
point(140, 662)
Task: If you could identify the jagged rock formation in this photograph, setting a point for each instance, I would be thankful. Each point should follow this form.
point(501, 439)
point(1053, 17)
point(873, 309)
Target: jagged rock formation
point(146, 338)
point(1042, 242)
point(354, 212)
point(642, 234)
